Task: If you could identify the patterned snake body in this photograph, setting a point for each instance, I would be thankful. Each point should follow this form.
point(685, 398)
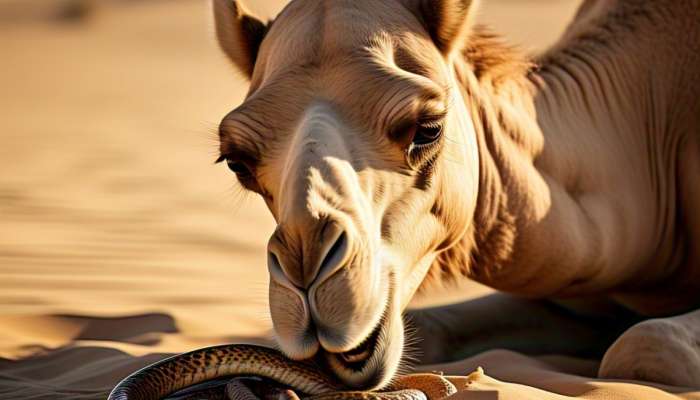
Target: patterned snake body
point(172, 374)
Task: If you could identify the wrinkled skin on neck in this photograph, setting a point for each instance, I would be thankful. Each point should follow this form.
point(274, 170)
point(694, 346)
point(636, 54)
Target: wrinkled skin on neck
point(328, 136)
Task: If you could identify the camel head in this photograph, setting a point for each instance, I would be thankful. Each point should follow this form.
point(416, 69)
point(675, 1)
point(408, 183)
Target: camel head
point(356, 134)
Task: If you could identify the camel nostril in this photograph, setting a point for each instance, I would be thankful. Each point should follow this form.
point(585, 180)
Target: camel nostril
point(334, 256)
point(275, 268)
point(319, 258)
point(273, 262)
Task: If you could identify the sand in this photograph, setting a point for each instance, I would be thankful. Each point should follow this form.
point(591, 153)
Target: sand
point(121, 241)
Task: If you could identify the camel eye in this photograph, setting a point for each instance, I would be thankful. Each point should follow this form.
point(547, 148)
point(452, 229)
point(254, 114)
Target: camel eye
point(238, 168)
point(427, 133)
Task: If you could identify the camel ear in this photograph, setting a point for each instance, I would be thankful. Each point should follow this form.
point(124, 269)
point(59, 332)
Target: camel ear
point(449, 22)
point(240, 34)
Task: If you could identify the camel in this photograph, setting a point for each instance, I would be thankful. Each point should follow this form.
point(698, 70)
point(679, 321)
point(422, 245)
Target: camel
point(398, 143)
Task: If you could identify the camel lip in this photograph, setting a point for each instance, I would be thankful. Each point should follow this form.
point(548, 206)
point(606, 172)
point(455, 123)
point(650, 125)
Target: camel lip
point(356, 358)
point(365, 366)
point(362, 366)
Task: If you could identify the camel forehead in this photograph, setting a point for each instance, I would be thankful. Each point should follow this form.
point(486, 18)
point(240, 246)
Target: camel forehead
point(319, 32)
point(351, 54)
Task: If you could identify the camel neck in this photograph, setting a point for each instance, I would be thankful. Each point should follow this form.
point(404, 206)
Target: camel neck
point(615, 117)
point(531, 234)
point(547, 186)
point(577, 172)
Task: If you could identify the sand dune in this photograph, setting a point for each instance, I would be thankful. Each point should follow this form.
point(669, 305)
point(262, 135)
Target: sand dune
point(121, 242)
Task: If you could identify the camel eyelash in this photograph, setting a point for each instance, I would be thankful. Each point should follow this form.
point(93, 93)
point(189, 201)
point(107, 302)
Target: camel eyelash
point(432, 118)
point(421, 156)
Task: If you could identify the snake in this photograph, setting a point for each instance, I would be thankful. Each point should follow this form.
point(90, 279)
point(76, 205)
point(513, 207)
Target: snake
point(172, 374)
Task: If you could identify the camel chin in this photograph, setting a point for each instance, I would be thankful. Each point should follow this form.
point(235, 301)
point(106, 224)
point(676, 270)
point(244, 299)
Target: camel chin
point(375, 361)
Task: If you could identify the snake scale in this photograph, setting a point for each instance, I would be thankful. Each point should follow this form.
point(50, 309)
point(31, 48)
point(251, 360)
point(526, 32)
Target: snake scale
point(166, 377)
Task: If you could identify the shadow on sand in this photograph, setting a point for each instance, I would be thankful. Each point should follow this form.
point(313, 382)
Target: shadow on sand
point(56, 373)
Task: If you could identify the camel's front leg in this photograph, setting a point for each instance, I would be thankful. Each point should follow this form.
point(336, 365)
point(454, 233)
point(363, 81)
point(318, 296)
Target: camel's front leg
point(501, 321)
point(665, 350)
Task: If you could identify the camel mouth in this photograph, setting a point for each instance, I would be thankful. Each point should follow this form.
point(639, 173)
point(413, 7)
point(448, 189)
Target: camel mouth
point(356, 359)
point(360, 367)
point(374, 361)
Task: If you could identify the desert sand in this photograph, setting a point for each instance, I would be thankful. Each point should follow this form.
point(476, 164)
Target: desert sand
point(121, 241)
